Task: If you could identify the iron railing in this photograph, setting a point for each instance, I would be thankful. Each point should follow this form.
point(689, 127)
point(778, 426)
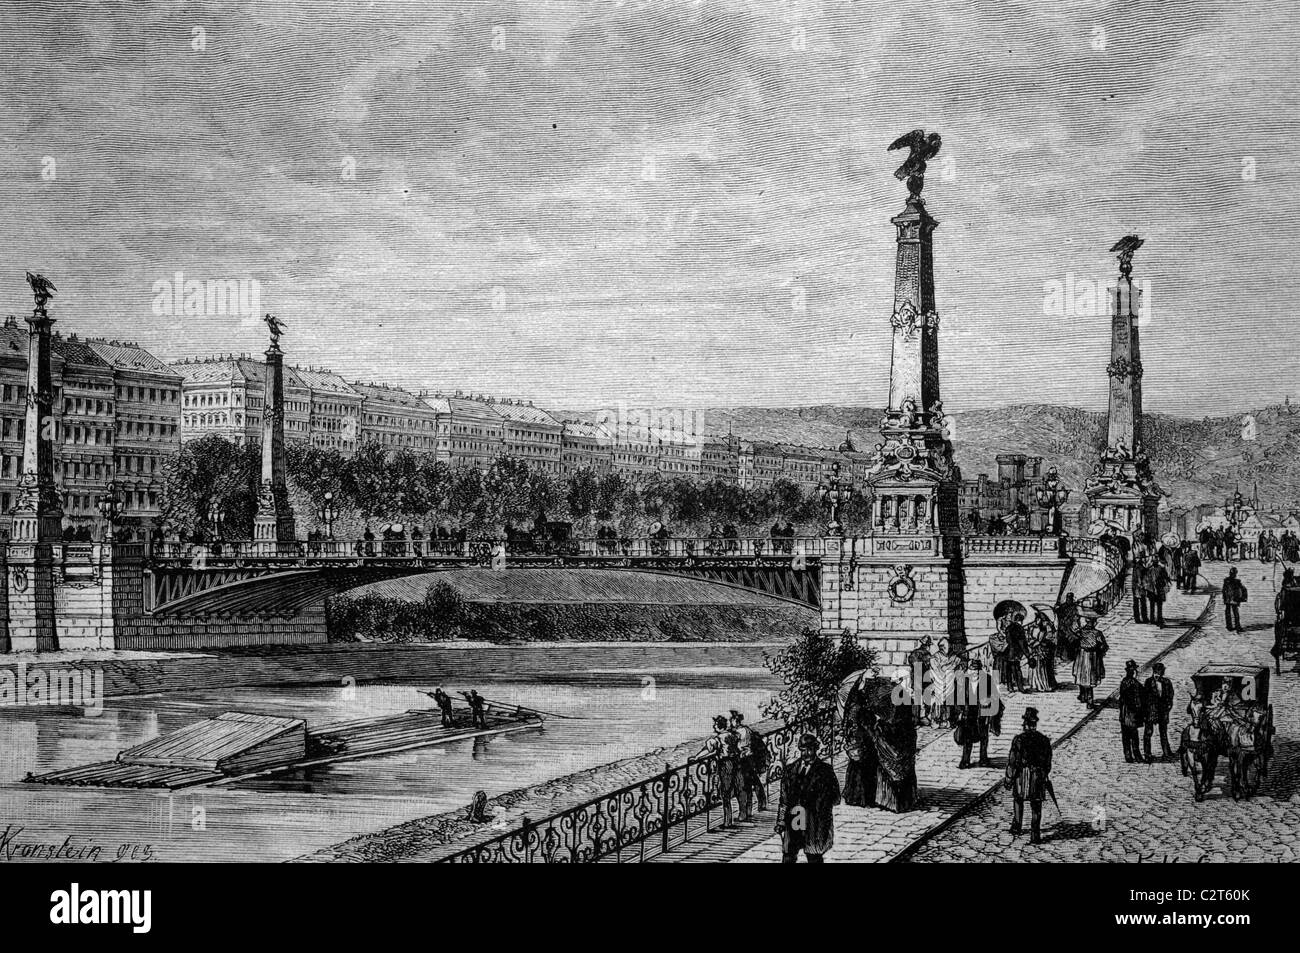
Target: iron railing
point(642, 819)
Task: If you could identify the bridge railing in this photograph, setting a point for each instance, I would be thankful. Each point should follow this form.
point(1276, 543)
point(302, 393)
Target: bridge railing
point(349, 550)
point(645, 818)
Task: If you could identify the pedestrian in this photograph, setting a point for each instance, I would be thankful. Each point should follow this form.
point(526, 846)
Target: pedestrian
point(943, 675)
point(723, 747)
point(1089, 664)
point(1041, 635)
point(1234, 594)
point(860, 772)
point(1141, 570)
point(1132, 714)
point(1028, 768)
point(1191, 568)
point(477, 708)
point(977, 713)
point(894, 736)
point(1158, 702)
point(809, 792)
point(1067, 633)
point(444, 705)
point(1157, 589)
point(918, 665)
point(753, 761)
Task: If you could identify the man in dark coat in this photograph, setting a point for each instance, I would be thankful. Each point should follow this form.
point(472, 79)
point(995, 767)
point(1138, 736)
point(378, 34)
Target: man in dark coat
point(444, 705)
point(477, 707)
point(1028, 767)
point(1132, 712)
point(1191, 568)
point(1157, 589)
point(979, 713)
point(809, 792)
point(1234, 594)
point(1158, 701)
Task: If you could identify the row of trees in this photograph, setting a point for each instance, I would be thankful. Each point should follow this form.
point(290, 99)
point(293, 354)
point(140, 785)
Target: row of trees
point(378, 485)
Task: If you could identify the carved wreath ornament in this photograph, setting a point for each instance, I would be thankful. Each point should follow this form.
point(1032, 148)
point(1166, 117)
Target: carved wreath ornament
point(902, 587)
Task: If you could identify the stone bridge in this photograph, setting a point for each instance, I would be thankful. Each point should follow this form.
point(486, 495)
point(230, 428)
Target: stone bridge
point(175, 595)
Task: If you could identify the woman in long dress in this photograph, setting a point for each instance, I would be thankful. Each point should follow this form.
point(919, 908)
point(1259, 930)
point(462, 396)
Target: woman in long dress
point(1089, 667)
point(860, 774)
point(1042, 654)
point(894, 736)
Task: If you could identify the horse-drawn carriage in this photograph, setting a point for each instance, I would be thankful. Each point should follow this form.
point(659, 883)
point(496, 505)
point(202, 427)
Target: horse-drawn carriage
point(1231, 718)
point(1287, 624)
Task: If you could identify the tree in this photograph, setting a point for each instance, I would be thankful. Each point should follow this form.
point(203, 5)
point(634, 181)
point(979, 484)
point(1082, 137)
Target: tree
point(583, 493)
point(812, 668)
point(211, 469)
point(506, 491)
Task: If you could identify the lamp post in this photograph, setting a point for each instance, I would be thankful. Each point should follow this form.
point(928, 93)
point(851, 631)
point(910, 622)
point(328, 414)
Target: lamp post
point(110, 508)
point(1051, 496)
point(833, 496)
point(216, 518)
point(328, 513)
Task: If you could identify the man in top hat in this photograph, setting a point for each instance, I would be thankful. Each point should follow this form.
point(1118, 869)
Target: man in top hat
point(1028, 766)
point(978, 712)
point(1158, 699)
point(809, 792)
point(1234, 594)
point(1132, 712)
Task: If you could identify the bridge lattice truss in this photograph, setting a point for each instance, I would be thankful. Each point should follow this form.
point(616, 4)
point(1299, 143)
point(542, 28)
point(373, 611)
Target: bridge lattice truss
point(245, 581)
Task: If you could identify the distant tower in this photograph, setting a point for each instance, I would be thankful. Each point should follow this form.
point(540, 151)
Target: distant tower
point(1122, 492)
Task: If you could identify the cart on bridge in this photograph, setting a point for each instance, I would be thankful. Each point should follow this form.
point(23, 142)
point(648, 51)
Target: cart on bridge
point(1232, 718)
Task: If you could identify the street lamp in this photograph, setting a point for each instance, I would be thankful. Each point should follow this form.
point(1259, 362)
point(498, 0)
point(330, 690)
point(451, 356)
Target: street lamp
point(833, 496)
point(110, 508)
point(328, 513)
point(216, 518)
point(1051, 496)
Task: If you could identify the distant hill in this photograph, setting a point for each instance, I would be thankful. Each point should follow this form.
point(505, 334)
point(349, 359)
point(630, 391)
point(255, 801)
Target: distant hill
point(1196, 461)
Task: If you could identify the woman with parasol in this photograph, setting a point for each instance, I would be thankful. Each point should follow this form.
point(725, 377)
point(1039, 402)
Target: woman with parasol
point(857, 705)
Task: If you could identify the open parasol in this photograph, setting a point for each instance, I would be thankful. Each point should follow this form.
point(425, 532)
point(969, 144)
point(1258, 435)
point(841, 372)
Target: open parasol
point(1006, 607)
point(875, 689)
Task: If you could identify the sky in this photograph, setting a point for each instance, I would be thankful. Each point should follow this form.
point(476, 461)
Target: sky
point(679, 204)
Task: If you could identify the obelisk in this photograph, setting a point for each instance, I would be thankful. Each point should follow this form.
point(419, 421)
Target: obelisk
point(37, 516)
point(274, 520)
point(1122, 492)
point(903, 582)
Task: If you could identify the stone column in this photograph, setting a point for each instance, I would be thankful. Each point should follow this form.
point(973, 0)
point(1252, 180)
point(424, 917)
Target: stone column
point(274, 521)
point(906, 578)
point(38, 513)
point(1122, 484)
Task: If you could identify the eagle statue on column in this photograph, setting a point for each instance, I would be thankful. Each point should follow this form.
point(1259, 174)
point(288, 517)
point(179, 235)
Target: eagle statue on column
point(923, 147)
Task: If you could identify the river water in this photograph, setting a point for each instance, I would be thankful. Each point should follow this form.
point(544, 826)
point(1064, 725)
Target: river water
point(284, 816)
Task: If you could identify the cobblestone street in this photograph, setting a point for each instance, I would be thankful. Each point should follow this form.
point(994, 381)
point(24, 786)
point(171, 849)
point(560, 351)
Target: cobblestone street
point(1113, 811)
point(873, 835)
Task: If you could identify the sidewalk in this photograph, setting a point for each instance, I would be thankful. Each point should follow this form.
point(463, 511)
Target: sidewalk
point(871, 835)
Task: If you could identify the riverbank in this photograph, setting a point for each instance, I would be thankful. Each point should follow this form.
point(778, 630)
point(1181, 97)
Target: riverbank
point(147, 673)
